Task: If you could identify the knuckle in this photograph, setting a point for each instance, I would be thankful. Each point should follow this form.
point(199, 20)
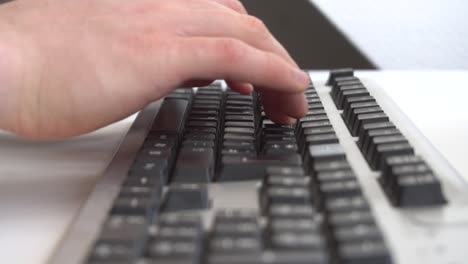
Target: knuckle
point(255, 23)
point(237, 5)
point(231, 50)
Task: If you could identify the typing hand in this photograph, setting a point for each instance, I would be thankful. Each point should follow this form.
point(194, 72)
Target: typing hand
point(72, 66)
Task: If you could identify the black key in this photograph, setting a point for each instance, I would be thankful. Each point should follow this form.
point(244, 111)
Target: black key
point(200, 136)
point(326, 152)
point(290, 241)
point(113, 252)
point(239, 130)
point(186, 197)
point(336, 175)
point(359, 111)
point(176, 245)
point(330, 166)
point(314, 106)
point(351, 218)
point(285, 170)
point(140, 192)
point(366, 119)
point(354, 106)
point(190, 143)
point(171, 116)
point(207, 130)
point(279, 148)
point(334, 74)
point(418, 190)
point(341, 188)
point(284, 181)
point(286, 195)
point(321, 139)
point(240, 118)
point(239, 136)
point(346, 204)
point(239, 124)
point(364, 252)
point(356, 99)
point(123, 228)
point(238, 168)
point(194, 165)
point(371, 133)
point(239, 144)
point(398, 161)
point(357, 233)
point(202, 124)
point(386, 150)
point(134, 206)
point(345, 88)
point(239, 152)
point(336, 87)
point(153, 171)
point(377, 125)
point(279, 211)
point(351, 93)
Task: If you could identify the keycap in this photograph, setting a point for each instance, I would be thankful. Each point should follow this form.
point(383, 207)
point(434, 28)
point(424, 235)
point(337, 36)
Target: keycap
point(391, 149)
point(186, 197)
point(335, 175)
point(123, 228)
point(326, 152)
point(113, 252)
point(364, 252)
point(171, 116)
point(351, 218)
point(366, 119)
point(371, 133)
point(241, 168)
point(357, 232)
point(418, 190)
point(345, 72)
point(134, 206)
point(194, 165)
point(286, 195)
point(363, 110)
point(371, 126)
point(349, 94)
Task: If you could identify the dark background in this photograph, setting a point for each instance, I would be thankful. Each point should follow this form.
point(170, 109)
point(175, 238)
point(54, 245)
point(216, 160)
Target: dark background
point(309, 37)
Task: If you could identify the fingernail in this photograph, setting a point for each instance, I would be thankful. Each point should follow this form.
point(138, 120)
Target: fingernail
point(302, 77)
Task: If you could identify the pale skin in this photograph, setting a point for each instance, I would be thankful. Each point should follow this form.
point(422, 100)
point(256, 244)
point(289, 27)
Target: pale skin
point(69, 67)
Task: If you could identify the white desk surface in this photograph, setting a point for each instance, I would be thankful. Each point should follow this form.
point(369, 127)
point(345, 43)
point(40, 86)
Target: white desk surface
point(42, 185)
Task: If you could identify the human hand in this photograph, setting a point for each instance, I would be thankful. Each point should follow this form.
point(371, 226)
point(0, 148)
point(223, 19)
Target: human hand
point(72, 66)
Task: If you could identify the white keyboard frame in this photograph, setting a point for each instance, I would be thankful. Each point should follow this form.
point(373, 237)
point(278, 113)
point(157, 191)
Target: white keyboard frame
point(430, 235)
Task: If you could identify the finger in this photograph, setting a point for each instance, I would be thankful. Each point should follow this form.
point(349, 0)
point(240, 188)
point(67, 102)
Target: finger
point(240, 87)
point(196, 83)
point(232, 59)
point(235, 5)
point(234, 25)
point(292, 105)
point(273, 112)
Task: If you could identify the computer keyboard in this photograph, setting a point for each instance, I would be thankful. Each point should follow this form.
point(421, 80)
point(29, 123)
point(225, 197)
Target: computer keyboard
point(204, 176)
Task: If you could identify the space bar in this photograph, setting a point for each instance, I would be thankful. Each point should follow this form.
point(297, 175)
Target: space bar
point(171, 116)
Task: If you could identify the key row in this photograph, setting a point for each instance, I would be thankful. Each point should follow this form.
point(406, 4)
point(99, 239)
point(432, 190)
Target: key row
point(380, 140)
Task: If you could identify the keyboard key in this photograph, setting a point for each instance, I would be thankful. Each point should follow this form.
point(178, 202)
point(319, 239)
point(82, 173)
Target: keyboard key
point(241, 168)
point(194, 165)
point(334, 74)
point(171, 116)
point(364, 252)
point(186, 197)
